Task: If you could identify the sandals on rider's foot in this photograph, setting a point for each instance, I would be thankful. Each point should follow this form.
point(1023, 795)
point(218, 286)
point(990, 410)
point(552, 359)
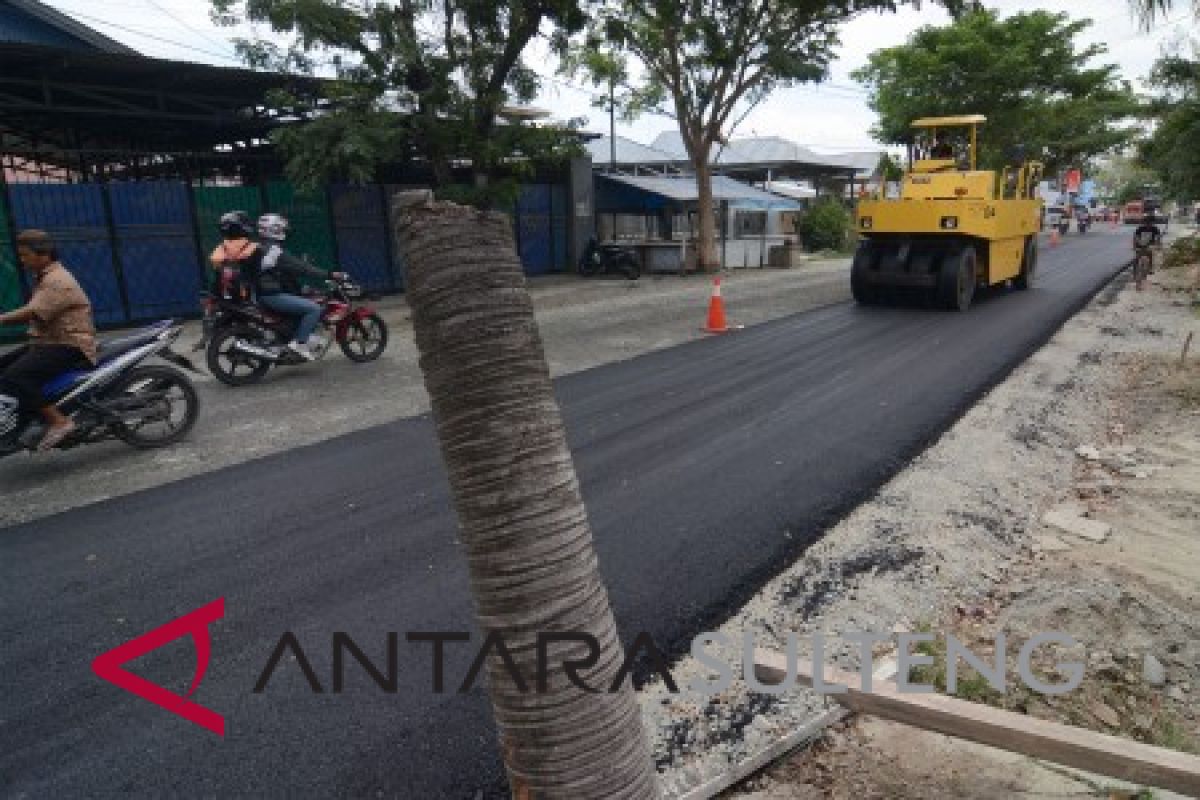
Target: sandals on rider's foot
point(55, 436)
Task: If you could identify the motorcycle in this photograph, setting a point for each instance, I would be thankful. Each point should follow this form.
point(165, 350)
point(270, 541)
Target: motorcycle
point(1083, 222)
point(244, 340)
point(608, 258)
point(144, 405)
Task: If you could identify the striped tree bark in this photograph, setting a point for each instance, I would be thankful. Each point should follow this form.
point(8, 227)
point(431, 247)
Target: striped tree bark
point(533, 567)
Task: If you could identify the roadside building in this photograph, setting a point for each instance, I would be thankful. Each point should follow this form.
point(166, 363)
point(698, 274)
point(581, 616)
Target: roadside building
point(646, 195)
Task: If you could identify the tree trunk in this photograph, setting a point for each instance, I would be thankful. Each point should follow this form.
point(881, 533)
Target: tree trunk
point(707, 244)
point(524, 527)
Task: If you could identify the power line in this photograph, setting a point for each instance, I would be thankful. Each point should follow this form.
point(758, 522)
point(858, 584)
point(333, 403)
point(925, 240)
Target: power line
point(155, 4)
point(162, 39)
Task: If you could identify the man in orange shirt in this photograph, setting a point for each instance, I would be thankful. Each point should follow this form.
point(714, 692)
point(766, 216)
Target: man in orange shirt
point(63, 336)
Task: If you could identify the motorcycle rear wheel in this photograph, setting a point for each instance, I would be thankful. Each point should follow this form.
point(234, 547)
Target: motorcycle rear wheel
point(229, 367)
point(172, 396)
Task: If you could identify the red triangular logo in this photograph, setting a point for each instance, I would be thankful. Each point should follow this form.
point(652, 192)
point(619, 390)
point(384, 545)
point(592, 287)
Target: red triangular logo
point(109, 665)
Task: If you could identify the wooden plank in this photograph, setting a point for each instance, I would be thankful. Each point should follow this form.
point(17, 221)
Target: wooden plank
point(1063, 744)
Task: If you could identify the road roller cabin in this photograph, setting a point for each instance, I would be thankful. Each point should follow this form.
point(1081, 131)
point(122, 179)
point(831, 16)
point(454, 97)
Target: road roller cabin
point(954, 227)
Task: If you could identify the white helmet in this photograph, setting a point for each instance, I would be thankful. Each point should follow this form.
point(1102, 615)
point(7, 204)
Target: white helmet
point(273, 227)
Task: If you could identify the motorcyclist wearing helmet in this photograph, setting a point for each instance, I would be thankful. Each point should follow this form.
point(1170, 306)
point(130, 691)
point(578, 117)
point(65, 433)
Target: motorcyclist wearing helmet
point(277, 281)
point(235, 249)
point(233, 261)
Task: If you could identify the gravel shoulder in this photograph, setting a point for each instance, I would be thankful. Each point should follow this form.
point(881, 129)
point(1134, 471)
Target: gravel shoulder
point(584, 324)
point(1100, 425)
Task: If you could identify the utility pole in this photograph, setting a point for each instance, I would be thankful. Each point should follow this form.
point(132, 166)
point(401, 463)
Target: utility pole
point(612, 125)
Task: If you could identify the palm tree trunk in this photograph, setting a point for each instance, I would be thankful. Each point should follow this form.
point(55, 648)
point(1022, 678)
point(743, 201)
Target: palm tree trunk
point(528, 542)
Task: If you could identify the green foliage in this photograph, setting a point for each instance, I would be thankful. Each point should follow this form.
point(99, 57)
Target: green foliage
point(824, 226)
point(1025, 73)
point(1184, 252)
point(889, 169)
point(416, 81)
point(1171, 151)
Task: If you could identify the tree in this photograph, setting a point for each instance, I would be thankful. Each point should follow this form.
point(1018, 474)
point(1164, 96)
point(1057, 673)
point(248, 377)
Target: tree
point(1122, 178)
point(413, 81)
point(710, 61)
point(524, 526)
point(1171, 149)
point(1024, 73)
point(1150, 11)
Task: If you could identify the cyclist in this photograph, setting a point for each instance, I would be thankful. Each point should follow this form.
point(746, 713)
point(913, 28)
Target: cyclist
point(1146, 237)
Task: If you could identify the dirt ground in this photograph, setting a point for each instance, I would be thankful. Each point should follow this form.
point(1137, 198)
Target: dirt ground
point(1109, 434)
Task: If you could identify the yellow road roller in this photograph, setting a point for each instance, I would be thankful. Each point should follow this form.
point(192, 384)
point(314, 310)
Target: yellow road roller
point(954, 228)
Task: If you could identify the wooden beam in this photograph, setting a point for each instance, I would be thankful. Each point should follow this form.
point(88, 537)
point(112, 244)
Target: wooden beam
point(1063, 744)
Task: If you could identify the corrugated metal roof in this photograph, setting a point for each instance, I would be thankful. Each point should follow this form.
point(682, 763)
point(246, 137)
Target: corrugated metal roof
point(683, 190)
point(753, 150)
point(629, 152)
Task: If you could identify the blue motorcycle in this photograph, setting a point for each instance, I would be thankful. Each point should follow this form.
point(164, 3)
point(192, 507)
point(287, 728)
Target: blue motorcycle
point(122, 397)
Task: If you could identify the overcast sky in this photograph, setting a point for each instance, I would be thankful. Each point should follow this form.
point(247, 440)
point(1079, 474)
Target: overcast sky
point(831, 116)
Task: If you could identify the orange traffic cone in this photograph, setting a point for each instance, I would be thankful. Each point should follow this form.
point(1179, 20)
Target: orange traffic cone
point(1054, 236)
point(716, 311)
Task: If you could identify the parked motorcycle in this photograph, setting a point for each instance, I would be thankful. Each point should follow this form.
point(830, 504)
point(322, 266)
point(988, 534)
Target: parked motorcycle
point(247, 339)
point(609, 258)
point(123, 397)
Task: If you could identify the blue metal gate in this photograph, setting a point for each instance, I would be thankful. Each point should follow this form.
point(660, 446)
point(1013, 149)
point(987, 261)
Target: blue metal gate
point(76, 216)
point(156, 240)
point(535, 239)
point(361, 232)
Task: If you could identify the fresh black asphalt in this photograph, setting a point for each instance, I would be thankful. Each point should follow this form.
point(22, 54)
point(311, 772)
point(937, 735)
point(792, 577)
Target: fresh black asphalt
point(706, 468)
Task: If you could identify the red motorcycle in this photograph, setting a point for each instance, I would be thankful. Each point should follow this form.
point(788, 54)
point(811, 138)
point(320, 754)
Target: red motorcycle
point(244, 340)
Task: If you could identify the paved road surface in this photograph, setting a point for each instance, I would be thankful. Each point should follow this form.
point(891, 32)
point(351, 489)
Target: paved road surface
point(706, 467)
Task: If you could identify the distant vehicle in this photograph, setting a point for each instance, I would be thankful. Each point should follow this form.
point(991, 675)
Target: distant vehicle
point(1133, 212)
point(1083, 218)
point(1055, 217)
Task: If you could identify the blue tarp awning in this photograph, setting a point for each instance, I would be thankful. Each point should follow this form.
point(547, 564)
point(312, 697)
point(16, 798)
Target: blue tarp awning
point(648, 194)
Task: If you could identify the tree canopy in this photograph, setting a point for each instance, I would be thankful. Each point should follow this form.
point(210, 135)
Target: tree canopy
point(1171, 150)
point(413, 80)
point(1149, 12)
point(1122, 178)
point(1025, 73)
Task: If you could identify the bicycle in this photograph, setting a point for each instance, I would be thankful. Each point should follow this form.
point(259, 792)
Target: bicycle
point(1143, 265)
point(1146, 239)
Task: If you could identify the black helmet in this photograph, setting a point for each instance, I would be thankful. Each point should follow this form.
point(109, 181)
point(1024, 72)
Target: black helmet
point(235, 224)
